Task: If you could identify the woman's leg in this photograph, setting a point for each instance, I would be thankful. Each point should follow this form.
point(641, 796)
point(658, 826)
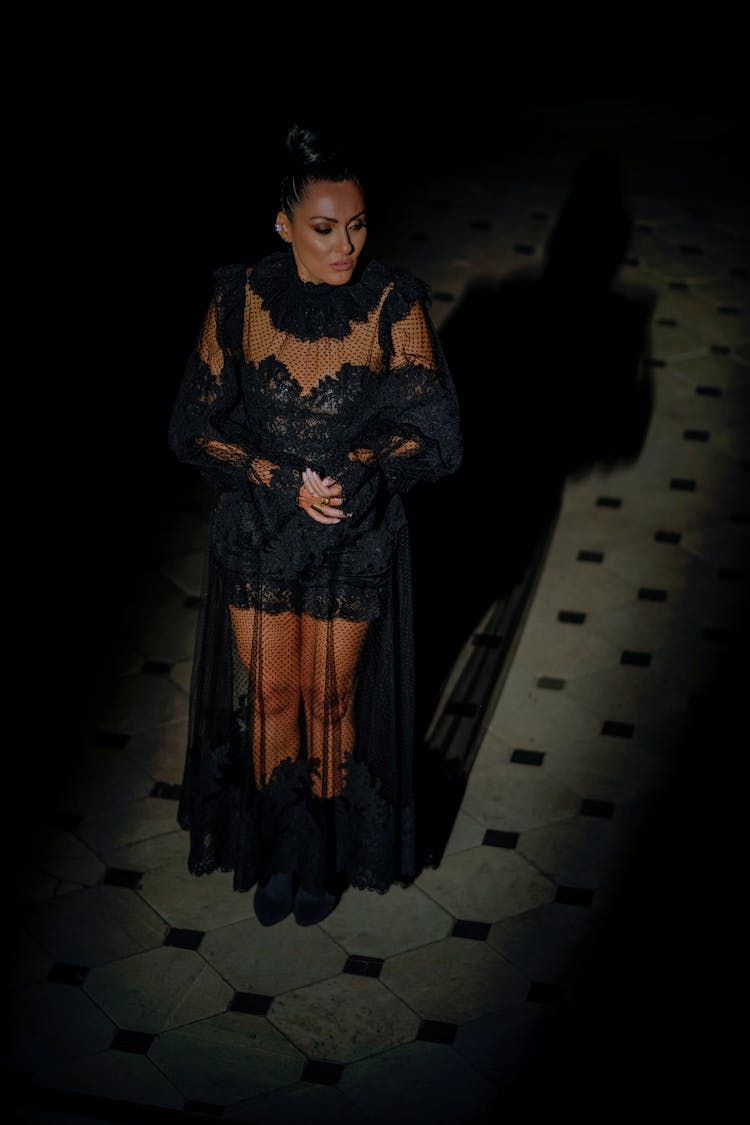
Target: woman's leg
point(329, 655)
point(269, 647)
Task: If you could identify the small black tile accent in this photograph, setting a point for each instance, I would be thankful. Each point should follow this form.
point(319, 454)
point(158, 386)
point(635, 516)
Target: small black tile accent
point(574, 896)
point(435, 1031)
point(523, 248)
point(616, 729)
point(420, 236)
point(679, 285)
point(732, 573)
point(487, 640)
point(65, 821)
point(668, 537)
point(322, 1073)
point(443, 295)
point(695, 435)
point(184, 939)
point(476, 931)
point(62, 973)
point(640, 659)
point(527, 757)
point(708, 392)
point(690, 248)
point(728, 310)
point(156, 667)
point(481, 224)
point(120, 877)
point(137, 1042)
point(494, 838)
point(463, 710)
point(550, 683)
point(737, 271)
point(590, 806)
point(362, 966)
point(717, 635)
point(111, 739)
point(167, 790)
point(251, 1003)
point(545, 992)
point(682, 484)
point(192, 601)
point(720, 349)
point(571, 617)
point(209, 1109)
point(667, 321)
point(652, 362)
point(740, 517)
point(590, 556)
point(650, 594)
point(608, 502)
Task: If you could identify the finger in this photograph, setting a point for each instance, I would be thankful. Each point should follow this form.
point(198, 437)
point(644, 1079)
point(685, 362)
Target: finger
point(310, 481)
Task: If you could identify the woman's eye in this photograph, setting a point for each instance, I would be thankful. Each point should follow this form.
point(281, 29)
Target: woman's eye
point(359, 225)
point(323, 230)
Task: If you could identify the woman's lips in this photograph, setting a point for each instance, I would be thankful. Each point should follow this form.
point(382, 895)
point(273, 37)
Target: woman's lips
point(341, 265)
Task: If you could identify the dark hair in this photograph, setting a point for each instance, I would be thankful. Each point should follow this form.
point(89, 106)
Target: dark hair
point(309, 159)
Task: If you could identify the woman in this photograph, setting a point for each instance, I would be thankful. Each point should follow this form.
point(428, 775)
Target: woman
point(316, 393)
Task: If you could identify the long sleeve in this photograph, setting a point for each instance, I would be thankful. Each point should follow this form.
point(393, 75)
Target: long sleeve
point(415, 435)
point(201, 430)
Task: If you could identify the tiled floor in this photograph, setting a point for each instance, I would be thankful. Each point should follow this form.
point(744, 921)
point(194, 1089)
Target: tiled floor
point(569, 949)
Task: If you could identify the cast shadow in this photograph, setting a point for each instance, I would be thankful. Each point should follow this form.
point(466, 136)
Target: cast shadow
point(552, 372)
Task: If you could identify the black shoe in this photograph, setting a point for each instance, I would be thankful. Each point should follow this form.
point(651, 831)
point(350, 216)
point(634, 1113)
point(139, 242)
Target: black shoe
point(274, 899)
point(311, 909)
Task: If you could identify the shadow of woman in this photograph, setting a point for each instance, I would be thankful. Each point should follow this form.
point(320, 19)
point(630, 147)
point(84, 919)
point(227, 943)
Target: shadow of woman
point(552, 371)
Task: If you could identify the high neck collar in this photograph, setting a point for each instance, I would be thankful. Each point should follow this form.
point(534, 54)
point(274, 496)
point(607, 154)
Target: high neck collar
point(312, 310)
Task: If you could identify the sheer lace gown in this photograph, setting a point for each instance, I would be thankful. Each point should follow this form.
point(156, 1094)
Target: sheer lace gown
point(300, 752)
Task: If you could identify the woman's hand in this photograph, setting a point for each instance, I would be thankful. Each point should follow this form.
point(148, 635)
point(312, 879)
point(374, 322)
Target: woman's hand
point(321, 498)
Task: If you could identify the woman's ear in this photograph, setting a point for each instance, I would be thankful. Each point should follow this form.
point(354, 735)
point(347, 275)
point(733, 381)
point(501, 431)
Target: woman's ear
point(282, 226)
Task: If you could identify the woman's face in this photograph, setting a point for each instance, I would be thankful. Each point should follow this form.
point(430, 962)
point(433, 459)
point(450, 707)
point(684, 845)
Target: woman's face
point(327, 231)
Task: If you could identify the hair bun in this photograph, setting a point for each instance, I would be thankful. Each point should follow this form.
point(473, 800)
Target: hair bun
point(304, 147)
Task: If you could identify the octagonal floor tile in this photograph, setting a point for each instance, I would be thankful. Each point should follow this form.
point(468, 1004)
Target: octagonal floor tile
point(52, 1024)
point(95, 925)
point(272, 959)
point(120, 1075)
point(343, 1019)
point(419, 1082)
point(454, 980)
point(514, 797)
point(227, 1058)
point(305, 1102)
point(542, 943)
point(374, 925)
point(159, 989)
point(486, 884)
point(195, 902)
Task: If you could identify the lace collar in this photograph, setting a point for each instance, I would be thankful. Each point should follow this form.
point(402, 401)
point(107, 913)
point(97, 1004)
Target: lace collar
point(310, 311)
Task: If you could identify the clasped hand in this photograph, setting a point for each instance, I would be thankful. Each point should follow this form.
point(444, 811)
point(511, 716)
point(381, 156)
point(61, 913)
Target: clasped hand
point(322, 498)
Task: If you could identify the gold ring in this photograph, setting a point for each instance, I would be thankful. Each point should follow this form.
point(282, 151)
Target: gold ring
point(326, 501)
point(317, 508)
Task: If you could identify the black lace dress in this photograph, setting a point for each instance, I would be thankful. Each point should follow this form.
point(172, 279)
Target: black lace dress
point(351, 381)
